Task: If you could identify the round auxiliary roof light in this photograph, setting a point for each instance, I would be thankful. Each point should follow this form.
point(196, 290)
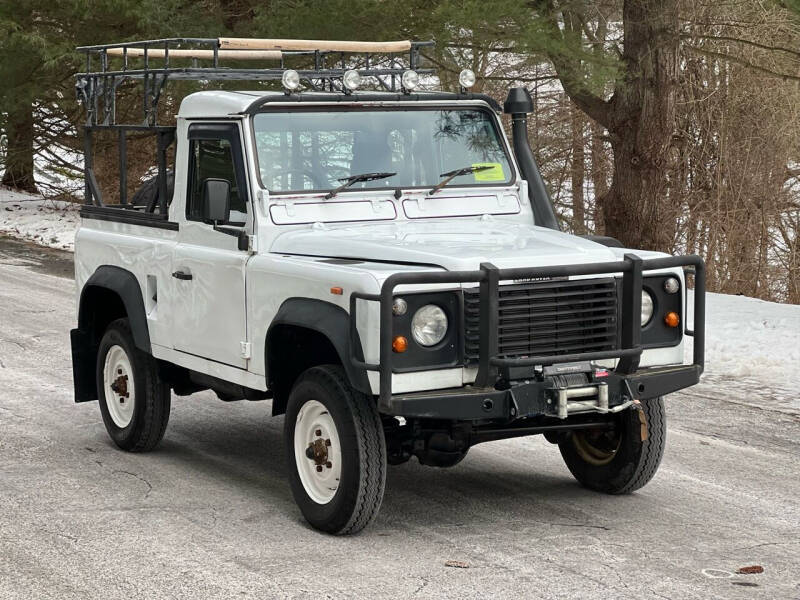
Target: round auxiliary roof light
point(351, 80)
point(410, 80)
point(466, 78)
point(290, 79)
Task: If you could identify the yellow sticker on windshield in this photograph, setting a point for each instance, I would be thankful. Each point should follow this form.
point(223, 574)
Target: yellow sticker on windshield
point(493, 173)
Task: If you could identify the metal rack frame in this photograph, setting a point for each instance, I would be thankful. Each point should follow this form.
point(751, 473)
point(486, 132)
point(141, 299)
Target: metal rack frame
point(97, 87)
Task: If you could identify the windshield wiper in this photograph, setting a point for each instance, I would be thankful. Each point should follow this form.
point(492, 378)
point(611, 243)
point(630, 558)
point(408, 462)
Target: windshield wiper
point(348, 181)
point(458, 172)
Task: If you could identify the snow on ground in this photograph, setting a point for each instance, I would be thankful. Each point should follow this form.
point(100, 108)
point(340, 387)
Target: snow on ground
point(46, 222)
point(752, 341)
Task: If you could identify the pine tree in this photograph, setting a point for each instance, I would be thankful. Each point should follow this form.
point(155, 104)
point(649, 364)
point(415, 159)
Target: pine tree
point(37, 46)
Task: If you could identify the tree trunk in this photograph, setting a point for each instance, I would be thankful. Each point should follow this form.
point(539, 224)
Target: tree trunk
point(578, 170)
point(599, 177)
point(639, 117)
point(636, 209)
point(19, 150)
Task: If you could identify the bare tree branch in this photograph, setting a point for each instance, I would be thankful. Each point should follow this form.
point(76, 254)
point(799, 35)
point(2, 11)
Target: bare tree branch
point(744, 63)
point(570, 74)
point(726, 38)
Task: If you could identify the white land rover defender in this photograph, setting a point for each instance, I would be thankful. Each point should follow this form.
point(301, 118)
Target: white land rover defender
point(383, 265)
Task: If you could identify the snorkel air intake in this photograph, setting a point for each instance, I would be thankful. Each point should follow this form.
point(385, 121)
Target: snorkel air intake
point(518, 105)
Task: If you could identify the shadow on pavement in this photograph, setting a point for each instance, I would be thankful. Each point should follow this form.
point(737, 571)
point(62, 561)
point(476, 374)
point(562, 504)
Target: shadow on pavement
point(247, 458)
point(39, 258)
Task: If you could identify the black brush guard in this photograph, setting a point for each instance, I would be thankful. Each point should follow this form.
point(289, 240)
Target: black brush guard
point(482, 400)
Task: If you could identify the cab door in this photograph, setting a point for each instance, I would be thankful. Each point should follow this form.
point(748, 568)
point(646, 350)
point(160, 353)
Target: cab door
point(208, 269)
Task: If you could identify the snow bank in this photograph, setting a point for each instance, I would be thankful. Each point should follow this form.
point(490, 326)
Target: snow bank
point(46, 222)
point(753, 341)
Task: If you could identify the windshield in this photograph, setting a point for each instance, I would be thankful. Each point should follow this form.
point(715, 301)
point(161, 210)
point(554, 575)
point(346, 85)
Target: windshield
point(304, 150)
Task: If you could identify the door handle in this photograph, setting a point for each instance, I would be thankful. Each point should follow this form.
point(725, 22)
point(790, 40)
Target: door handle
point(182, 276)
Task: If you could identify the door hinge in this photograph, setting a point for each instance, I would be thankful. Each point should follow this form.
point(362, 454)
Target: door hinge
point(245, 349)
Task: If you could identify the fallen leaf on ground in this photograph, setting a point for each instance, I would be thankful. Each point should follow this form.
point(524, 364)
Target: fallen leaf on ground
point(457, 564)
point(751, 570)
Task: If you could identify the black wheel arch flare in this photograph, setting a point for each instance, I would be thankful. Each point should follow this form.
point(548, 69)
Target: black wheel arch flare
point(85, 339)
point(327, 319)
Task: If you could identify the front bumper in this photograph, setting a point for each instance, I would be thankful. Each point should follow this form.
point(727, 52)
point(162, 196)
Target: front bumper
point(543, 398)
point(539, 395)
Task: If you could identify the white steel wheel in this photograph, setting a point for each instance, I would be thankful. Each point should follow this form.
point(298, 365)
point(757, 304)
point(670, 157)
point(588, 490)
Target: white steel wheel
point(317, 452)
point(118, 382)
point(134, 400)
point(336, 451)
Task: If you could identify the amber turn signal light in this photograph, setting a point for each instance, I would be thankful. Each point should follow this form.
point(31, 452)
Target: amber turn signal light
point(671, 319)
point(399, 344)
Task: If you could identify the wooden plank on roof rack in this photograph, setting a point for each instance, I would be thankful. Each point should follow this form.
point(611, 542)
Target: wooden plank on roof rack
point(202, 54)
point(324, 45)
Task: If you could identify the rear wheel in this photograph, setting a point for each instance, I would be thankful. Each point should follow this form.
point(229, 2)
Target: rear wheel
point(619, 461)
point(336, 452)
point(134, 402)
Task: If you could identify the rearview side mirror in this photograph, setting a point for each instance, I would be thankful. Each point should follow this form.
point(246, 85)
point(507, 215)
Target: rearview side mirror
point(216, 200)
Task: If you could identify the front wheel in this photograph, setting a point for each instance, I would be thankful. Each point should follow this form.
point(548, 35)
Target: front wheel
point(619, 461)
point(336, 452)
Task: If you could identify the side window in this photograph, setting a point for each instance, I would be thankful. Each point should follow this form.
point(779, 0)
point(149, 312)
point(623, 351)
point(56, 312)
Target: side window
point(213, 159)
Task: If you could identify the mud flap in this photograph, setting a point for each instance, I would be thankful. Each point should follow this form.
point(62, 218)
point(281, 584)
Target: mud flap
point(84, 356)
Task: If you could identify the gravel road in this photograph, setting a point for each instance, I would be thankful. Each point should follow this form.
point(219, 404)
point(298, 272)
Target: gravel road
point(210, 514)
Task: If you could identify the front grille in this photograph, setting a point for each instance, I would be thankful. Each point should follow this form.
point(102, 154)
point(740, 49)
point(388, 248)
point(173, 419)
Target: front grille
point(548, 318)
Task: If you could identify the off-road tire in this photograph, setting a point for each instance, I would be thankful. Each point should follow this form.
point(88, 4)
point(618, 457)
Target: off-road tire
point(635, 461)
point(152, 395)
point(363, 449)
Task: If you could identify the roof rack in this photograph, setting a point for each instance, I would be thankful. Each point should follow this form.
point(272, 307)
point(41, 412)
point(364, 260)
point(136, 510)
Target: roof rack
point(109, 65)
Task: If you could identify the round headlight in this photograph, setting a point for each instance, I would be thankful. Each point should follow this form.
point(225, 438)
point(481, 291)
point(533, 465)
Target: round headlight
point(410, 80)
point(647, 308)
point(466, 78)
point(429, 325)
point(671, 285)
point(351, 80)
point(290, 79)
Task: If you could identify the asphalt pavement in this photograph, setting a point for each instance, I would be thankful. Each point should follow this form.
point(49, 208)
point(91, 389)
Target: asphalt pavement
point(209, 514)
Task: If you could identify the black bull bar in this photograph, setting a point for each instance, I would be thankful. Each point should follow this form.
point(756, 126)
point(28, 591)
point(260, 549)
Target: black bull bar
point(527, 399)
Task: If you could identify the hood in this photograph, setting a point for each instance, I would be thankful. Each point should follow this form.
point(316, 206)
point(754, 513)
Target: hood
point(454, 245)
